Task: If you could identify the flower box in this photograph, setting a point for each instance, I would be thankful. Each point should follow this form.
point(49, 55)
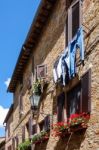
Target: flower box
point(77, 127)
point(60, 129)
point(40, 137)
point(75, 122)
point(78, 121)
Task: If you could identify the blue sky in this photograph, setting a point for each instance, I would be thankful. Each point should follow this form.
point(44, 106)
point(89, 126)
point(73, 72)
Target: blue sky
point(15, 19)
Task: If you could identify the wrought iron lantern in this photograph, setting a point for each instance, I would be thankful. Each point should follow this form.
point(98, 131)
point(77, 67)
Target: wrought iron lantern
point(34, 100)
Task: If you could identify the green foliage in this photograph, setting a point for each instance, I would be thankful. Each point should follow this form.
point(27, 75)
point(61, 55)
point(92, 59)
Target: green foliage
point(25, 145)
point(36, 88)
point(39, 137)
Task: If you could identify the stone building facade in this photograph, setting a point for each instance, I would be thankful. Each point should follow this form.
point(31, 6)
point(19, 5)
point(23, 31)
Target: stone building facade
point(9, 128)
point(51, 31)
point(2, 143)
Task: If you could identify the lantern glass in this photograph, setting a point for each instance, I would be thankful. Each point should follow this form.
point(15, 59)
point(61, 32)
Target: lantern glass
point(34, 99)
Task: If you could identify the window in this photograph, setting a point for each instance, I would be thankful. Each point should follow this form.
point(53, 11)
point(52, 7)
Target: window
point(30, 126)
point(10, 148)
point(20, 105)
point(79, 98)
point(13, 143)
point(45, 124)
point(29, 82)
point(17, 141)
point(73, 100)
point(73, 20)
point(41, 71)
point(60, 107)
point(23, 133)
point(41, 125)
point(34, 129)
point(8, 130)
point(31, 76)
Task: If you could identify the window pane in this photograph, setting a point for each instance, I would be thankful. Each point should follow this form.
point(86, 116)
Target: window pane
point(41, 125)
point(73, 100)
point(75, 19)
point(34, 128)
point(41, 71)
point(47, 123)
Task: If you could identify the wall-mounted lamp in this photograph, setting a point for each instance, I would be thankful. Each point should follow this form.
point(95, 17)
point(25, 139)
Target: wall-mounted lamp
point(34, 100)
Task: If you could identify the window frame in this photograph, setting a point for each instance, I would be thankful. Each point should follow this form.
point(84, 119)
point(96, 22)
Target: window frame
point(85, 87)
point(45, 71)
point(87, 76)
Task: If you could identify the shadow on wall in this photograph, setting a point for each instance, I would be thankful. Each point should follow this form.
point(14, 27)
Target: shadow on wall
point(71, 142)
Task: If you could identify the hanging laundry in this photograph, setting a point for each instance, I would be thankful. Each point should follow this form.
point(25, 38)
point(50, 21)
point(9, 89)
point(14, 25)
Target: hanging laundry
point(77, 42)
point(55, 70)
point(65, 66)
point(61, 68)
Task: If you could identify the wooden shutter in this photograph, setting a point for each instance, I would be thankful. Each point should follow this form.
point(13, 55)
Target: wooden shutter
point(47, 123)
point(20, 105)
point(34, 129)
point(30, 127)
point(41, 71)
point(17, 141)
point(66, 37)
point(86, 91)
point(10, 147)
point(8, 130)
point(41, 125)
point(60, 107)
point(23, 133)
point(13, 143)
point(74, 19)
point(33, 65)
point(29, 82)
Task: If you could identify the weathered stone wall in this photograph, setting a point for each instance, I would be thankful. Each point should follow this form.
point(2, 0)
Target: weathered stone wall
point(9, 126)
point(51, 44)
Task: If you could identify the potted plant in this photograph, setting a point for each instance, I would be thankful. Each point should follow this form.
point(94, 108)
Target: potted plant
point(60, 129)
point(36, 88)
point(78, 121)
point(26, 145)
